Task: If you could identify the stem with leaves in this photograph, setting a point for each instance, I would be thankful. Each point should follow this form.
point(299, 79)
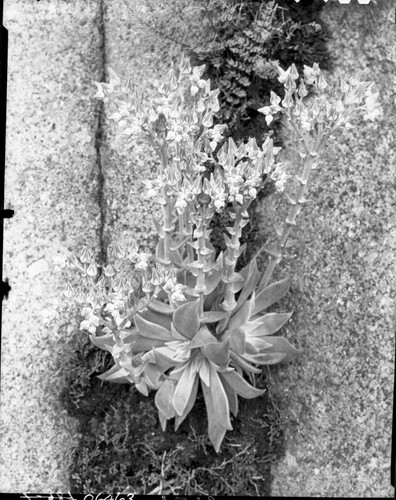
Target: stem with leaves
point(232, 254)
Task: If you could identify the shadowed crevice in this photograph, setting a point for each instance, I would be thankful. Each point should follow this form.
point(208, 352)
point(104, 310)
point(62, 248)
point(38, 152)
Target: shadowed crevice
point(99, 135)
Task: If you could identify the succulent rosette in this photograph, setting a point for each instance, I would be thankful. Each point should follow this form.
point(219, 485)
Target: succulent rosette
point(174, 350)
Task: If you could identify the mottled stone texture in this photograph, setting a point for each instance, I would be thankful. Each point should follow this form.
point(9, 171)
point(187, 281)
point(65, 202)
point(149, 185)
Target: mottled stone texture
point(337, 398)
point(51, 183)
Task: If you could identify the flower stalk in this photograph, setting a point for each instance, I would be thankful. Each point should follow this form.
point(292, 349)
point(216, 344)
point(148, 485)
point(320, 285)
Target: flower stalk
point(232, 254)
point(275, 254)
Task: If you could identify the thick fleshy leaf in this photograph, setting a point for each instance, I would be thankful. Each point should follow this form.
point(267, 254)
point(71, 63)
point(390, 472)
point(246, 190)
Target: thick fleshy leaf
point(251, 280)
point(280, 344)
point(271, 294)
point(237, 340)
point(190, 404)
point(141, 386)
point(202, 338)
point(213, 316)
point(212, 279)
point(176, 335)
point(183, 389)
point(217, 409)
point(231, 396)
point(186, 318)
point(163, 420)
point(217, 352)
point(116, 374)
point(204, 372)
point(222, 324)
point(152, 375)
point(238, 361)
point(162, 356)
point(214, 299)
point(255, 345)
point(241, 386)
point(163, 399)
point(270, 358)
point(240, 317)
point(160, 307)
point(143, 344)
point(157, 318)
point(176, 258)
point(103, 341)
point(151, 330)
point(270, 323)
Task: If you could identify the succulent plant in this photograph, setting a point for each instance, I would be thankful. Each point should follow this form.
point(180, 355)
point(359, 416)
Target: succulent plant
point(172, 351)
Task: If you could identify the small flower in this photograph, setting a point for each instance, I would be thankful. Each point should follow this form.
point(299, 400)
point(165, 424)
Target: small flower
point(287, 77)
point(116, 251)
point(216, 135)
point(280, 176)
point(100, 93)
point(157, 276)
point(355, 78)
point(86, 255)
point(208, 119)
point(322, 84)
point(109, 271)
point(288, 100)
point(200, 107)
point(373, 107)
point(212, 102)
point(302, 90)
point(268, 116)
point(68, 292)
point(132, 253)
point(269, 111)
point(177, 295)
point(92, 269)
point(89, 326)
point(169, 286)
point(309, 75)
point(142, 261)
point(344, 87)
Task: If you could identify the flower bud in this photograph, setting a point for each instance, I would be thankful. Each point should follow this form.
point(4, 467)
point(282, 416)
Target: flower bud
point(109, 271)
point(208, 119)
point(68, 291)
point(86, 255)
point(322, 84)
point(92, 269)
point(288, 100)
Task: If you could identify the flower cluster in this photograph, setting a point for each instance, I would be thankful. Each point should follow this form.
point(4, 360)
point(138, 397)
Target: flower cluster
point(112, 296)
point(316, 113)
point(182, 110)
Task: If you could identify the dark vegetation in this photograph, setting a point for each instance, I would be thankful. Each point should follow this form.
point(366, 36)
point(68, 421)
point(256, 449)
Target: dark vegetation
point(245, 51)
point(122, 447)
